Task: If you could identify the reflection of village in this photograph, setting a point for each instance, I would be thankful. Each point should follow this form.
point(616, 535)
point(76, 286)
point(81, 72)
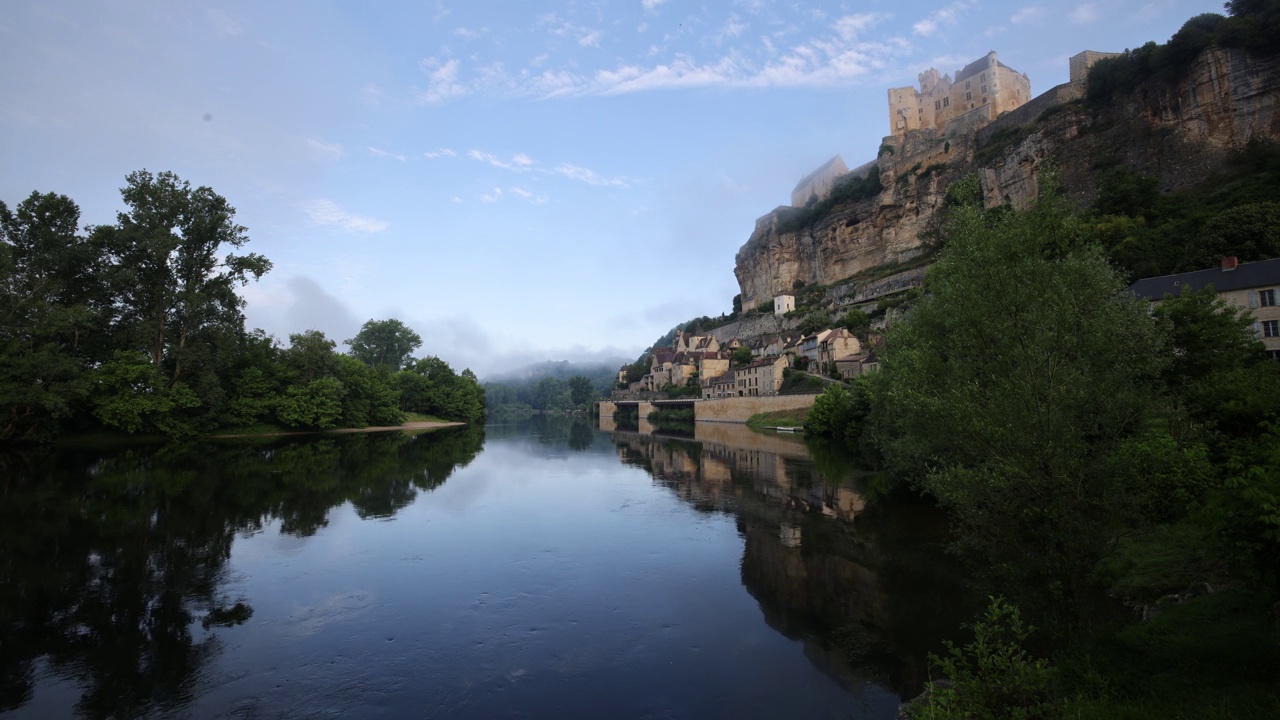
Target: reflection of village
point(819, 576)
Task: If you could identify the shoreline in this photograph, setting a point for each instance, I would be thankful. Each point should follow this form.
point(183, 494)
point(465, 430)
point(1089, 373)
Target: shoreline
point(420, 425)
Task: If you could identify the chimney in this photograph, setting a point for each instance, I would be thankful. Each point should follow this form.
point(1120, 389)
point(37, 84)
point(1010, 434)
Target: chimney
point(1230, 262)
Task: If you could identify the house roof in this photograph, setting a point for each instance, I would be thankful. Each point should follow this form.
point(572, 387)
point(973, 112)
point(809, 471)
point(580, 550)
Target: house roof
point(809, 178)
point(1246, 275)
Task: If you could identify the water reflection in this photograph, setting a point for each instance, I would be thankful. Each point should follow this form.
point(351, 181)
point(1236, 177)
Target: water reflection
point(113, 564)
point(859, 576)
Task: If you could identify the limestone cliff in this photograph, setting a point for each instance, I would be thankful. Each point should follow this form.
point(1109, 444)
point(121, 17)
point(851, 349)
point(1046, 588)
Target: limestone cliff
point(1179, 132)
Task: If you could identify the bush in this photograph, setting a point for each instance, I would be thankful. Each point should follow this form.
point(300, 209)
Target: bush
point(992, 676)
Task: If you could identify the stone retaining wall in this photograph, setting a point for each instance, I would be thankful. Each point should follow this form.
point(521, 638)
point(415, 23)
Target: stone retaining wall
point(740, 409)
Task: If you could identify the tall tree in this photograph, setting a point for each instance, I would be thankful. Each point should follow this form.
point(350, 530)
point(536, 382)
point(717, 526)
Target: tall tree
point(175, 291)
point(385, 344)
point(580, 389)
point(1018, 388)
point(50, 301)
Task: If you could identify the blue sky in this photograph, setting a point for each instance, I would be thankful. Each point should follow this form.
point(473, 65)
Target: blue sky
point(516, 181)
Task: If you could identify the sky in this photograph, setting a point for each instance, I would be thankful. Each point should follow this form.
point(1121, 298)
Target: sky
point(517, 181)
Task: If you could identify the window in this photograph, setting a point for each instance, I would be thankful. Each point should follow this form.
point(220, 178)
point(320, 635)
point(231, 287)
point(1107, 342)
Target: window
point(966, 84)
point(937, 104)
point(968, 96)
point(946, 102)
point(1267, 298)
point(1271, 328)
point(1273, 354)
point(984, 89)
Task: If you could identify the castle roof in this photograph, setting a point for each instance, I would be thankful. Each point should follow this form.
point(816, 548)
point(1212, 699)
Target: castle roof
point(825, 166)
point(978, 66)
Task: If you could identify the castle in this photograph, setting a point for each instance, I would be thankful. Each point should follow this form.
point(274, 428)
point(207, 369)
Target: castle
point(981, 91)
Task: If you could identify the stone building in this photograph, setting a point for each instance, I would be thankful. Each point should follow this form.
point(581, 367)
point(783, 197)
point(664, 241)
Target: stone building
point(980, 91)
point(783, 304)
point(817, 184)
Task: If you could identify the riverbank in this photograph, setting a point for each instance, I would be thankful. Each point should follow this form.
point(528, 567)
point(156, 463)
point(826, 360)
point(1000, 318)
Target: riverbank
point(405, 427)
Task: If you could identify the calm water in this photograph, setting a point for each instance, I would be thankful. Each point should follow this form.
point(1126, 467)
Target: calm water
point(550, 569)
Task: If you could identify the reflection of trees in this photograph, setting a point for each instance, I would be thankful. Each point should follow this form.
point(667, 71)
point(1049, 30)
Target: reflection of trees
point(109, 560)
point(856, 574)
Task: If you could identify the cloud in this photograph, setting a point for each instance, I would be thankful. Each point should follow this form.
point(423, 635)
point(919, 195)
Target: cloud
point(379, 152)
point(518, 163)
point(442, 152)
point(470, 34)
point(1030, 14)
point(948, 15)
point(442, 81)
point(1084, 14)
point(325, 151)
point(589, 176)
point(493, 197)
point(529, 195)
point(590, 39)
point(223, 23)
point(329, 214)
point(296, 305)
point(651, 5)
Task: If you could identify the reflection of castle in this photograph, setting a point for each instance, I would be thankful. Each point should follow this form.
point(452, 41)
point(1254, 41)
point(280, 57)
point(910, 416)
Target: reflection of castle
point(981, 91)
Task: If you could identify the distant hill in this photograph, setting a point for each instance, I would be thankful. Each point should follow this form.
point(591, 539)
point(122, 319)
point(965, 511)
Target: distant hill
point(602, 373)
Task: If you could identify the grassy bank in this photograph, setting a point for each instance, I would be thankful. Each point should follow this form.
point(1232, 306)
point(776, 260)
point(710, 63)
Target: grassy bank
point(778, 418)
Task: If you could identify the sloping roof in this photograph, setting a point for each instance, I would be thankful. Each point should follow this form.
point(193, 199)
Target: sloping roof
point(809, 178)
point(1246, 275)
point(976, 67)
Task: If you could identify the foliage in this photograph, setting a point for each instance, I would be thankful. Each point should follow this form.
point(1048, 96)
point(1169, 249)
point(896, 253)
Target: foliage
point(741, 356)
point(848, 189)
point(815, 321)
point(856, 322)
point(1254, 26)
point(841, 413)
point(1012, 388)
point(316, 405)
point(580, 390)
point(384, 344)
point(993, 676)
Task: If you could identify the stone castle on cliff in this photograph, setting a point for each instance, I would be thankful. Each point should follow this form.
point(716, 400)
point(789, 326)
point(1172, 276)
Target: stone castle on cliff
point(981, 91)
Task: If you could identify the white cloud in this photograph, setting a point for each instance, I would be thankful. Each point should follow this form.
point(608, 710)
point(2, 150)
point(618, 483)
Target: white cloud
point(325, 151)
point(1084, 14)
point(518, 163)
point(590, 39)
point(733, 27)
point(329, 214)
point(589, 176)
point(442, 152)
point(456, 200)
point(442, 81)
point(1030, 14)
point(468, 33)
point(223, 23)
point(651, 5)
point(493, 197)
point(379, 152)
point(528, 194)
point(948, 15)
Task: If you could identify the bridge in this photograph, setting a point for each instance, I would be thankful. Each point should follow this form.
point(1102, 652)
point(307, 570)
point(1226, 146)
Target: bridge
point(730, 410)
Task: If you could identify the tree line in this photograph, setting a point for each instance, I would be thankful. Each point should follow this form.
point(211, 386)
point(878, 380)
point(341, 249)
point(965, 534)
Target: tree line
point(1092, 451)
point(136, 327)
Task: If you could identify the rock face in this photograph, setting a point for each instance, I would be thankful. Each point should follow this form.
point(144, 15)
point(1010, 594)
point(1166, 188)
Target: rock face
point(1180, 132)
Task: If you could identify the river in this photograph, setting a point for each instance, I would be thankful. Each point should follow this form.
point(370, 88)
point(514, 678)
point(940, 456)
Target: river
point(543, 569)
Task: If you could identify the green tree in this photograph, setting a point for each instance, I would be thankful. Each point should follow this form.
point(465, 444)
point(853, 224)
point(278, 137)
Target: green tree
point(814, 322)
point(856, 322)
point(580, 390)
point(1012, 386)
point(50, 309)
point(741, 356)
point(384, 344)
point(174, 291)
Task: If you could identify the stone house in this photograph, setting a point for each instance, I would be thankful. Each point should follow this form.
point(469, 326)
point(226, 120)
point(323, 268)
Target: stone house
point(837, 344)
point(817, 185)
point(1253, 286)
point(983, 89)
point(783, 304)
point(762, 377)
point(722, 386)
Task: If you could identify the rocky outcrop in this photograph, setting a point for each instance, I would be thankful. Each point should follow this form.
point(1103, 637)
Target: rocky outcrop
point(1180, 132)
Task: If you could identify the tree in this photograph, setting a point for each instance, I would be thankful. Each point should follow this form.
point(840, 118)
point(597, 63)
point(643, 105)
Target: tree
point(856, 322)
point(741, 356)
point(1014, 389)
point(384, 344)
point(175, 295)
point(50, 306)
point(580, 390)
point(815, 321)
